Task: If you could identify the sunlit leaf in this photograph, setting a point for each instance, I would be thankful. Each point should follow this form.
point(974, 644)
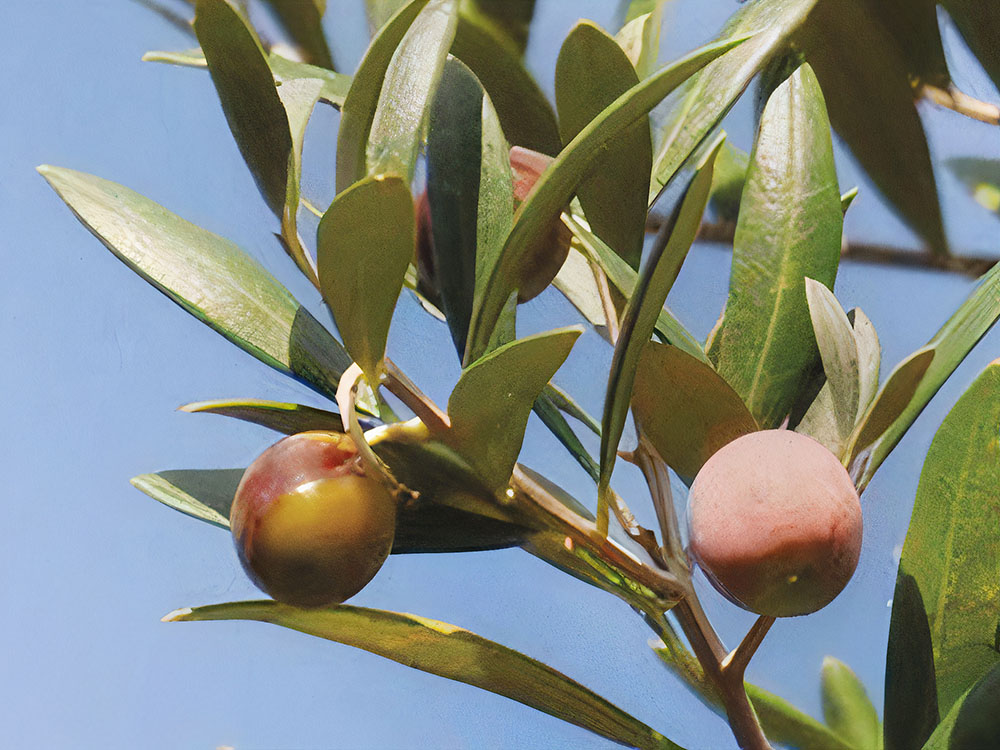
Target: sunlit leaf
point(358, 110)
point(207, 275)
point(639, 319)
point(302, 20)
point(911, 707)
point(624, 279)
point(640, 38)
point(974, 720)
point(451, 652)
point(397, 126)
point(557, 185)
point(789, 228)
point(591, 72)
point(951, 547)
point(578, 284)
point(275, 415)
point(490, 404)
point(847, 709)
point(364, 244)
point(685, 407)
point(950, 345)
point(869, 357)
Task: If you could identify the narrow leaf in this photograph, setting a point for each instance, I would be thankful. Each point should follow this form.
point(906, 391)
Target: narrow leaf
point(510, 20)
point(979, 24)
point(639, 318)
point(364, 244)
point(358, 110)
point(450, 652)
point(591, 72)
point(275, 415)
point(981, 178)
point(302, 20)
point(950, 345)
point(578, 284)
point(685, 408)
point(951, 548)
point(847, 708)
point(974, 721)
point(869, 357)
point(556, 186)
point(789, 228)
point(490, 404)
point(398, 123)
point(206, 494)
point(207, 275)
point(552, 418)
point(640, 39)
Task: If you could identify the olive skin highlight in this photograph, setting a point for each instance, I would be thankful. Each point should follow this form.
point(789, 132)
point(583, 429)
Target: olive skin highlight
point(775, 523)
point(310, 528)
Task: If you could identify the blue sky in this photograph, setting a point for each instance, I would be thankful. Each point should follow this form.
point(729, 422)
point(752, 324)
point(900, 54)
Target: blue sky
point(97, 363)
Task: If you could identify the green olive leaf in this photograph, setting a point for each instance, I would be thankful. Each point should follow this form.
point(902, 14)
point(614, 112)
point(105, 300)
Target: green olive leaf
point(950, 345)
point(591, 72)
point(302, 20)
point(205, 494)
point(639, 37)
point(727, 186)
point(208, 276)
point(358, 111)
point(268, 127)
point(981, 178)
point(451, 652)
point(951, 548)
point(979, 24)
point(913, 26)
point(685, 408)
point(509, 20)
point(276, 415)
point(397, 127)
point(847, 709)
point(557, 184)
point(490, 404)
point(974, 720)
point(789, 228)
point(550, 414)
point(869, 357)
point(624, 279)
point(577, 283)
point(639, 318)
point(364, 245)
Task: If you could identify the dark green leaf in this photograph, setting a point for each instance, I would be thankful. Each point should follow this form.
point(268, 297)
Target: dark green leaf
point(950, 345)
point(397, 126)
point(847, 709)
point(552, 418)
point(973, 722)
point(913, 26)
point(451, 652)
point(510, 20)
point(591, 72)
point(207, 275)
point(490, 404)
point(525, 114)
point(951, 547)
point(556, 187)
point(789, 228)
point(364, 244)
point(685, 407)
point(710, 94)
point(275, 415)
point(911, 707)
point(979, 23)
point(565, 403)
point(639, 319)
point(358, 110)
point(857, 60)
point(727, 186)
point(624, 279)
point(303, 20)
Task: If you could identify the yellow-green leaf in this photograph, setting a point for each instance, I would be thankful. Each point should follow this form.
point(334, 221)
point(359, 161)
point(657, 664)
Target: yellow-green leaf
point(847, 709)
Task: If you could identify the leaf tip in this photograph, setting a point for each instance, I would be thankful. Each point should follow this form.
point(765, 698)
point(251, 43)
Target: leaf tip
point(177, 615)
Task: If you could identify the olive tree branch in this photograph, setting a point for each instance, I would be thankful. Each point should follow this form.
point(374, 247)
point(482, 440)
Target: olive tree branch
point(735, 663)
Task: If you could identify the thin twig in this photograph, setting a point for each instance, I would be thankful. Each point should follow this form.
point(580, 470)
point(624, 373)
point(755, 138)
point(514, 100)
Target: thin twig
point(399, 385)
point(735, 663)
point(958, 101)
point(654, 469)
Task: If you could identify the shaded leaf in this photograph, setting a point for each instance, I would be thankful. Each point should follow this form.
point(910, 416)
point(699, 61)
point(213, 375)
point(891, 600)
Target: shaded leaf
point(591, 72)
point(302, 20)
point(956, 338)
point(685, 408)
point(275, 415)
point(951, 547)
point(509, 20)
point(789, 228)
point(727, 182)
point(847, 709)
point(364, 244)
point(490, 404)
point(451, 652)
point(981, 178)
point(578, 284)
point(525, 114)
point(556, 186)
point(358, 110)
point(552, 418)
point(974, 721)
point(206, 494)
point(654, 284)
point(979, 24)
point(207, 275)
point(565, 403)
point(911, 707)
point(397, 126)
point(710, 94)
point(668, 328)
point(913, 26)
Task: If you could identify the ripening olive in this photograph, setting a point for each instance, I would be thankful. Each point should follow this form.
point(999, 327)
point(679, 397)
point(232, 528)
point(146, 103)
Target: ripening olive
point(310, 528)
point(775, 523)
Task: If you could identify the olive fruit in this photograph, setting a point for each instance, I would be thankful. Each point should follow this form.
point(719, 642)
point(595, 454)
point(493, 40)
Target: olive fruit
point(775, 523)
point(310, 528)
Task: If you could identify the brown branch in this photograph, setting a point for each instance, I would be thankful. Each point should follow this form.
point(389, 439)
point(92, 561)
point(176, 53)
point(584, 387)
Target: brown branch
point(735, 663)
point(960, 102)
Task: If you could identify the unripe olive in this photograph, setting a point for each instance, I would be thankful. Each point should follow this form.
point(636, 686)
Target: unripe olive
point(775, 523)
point(310, 528)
